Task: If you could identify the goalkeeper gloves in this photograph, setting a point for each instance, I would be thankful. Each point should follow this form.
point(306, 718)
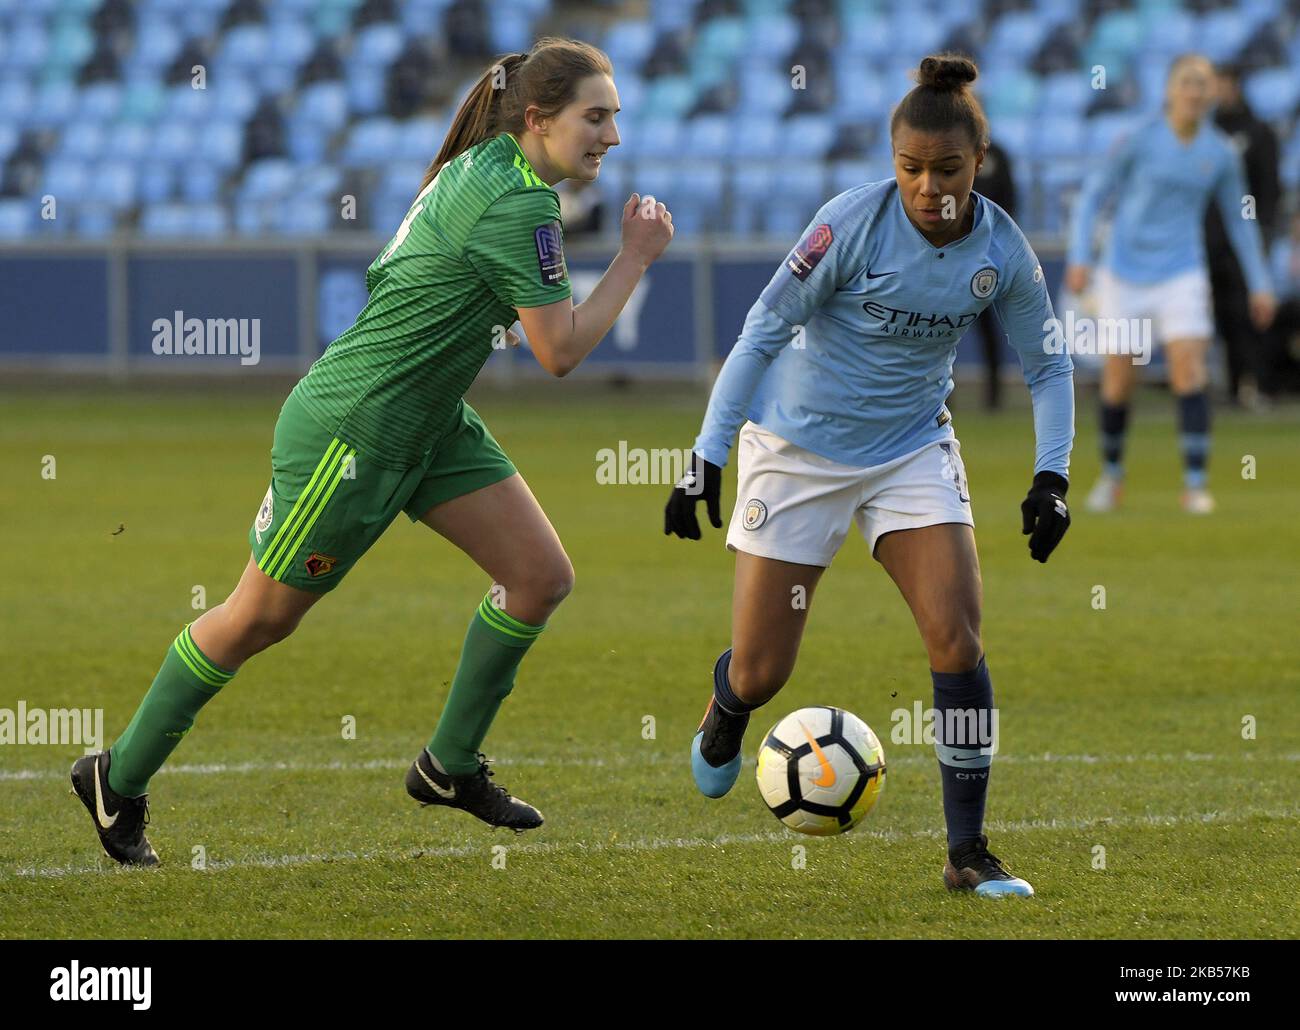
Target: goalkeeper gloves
point(1045, 514)
point(702, 479)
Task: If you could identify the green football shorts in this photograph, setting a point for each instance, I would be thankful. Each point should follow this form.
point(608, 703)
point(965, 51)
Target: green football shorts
point(327, 504)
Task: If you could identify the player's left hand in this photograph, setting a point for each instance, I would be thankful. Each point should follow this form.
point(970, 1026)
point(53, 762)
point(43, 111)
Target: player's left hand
point(1045, 514)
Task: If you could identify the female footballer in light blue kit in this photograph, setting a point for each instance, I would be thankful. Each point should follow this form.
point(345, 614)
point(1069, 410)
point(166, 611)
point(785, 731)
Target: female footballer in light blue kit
point(1166, 172)
point(842, 370)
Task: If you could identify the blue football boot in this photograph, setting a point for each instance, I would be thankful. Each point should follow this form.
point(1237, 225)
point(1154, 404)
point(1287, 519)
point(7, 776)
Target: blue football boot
point(972, 867)
point(715, 751)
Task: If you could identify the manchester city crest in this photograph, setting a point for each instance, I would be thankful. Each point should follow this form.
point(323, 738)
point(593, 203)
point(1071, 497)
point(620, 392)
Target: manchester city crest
point(984, 282)
point(755, 513)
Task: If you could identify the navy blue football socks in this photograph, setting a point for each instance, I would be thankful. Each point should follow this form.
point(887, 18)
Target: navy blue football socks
point(722, 693)
point(1114, 425)
point(964, 732)
point(1194, 437)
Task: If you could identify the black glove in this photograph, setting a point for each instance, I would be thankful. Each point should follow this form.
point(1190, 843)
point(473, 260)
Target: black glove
point(1045, 514)
point(702, 479)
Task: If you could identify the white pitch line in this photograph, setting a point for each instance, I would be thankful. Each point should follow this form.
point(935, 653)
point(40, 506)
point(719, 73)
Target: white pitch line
point(665, 843)
point(236, 768)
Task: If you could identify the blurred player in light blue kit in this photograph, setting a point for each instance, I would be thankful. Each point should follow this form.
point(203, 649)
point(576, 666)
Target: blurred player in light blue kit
point(1166, 172)
point(838, 386)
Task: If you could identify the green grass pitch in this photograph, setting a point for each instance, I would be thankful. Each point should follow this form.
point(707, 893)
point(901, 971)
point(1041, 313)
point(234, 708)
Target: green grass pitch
point(1122, 728)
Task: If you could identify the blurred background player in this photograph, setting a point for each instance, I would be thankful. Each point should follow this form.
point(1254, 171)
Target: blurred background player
point(378, 427)
point(1244, 346)
point(996, 181)
point(1165, 174)
point(839, 378)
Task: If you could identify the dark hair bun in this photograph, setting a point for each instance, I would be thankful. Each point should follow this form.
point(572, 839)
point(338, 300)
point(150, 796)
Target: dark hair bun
point(947, 72)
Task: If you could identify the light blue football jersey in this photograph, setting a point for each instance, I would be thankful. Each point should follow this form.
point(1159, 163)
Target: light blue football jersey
point(848, 352)
point(1164, 187)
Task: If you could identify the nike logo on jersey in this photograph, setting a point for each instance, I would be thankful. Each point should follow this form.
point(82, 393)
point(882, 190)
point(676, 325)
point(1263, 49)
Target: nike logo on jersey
point(442, 792)
point(878, 275)
point(101, 815)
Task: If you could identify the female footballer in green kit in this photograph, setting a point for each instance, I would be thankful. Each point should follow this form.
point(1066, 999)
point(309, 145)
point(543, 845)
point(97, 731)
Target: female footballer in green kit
point(378, 426)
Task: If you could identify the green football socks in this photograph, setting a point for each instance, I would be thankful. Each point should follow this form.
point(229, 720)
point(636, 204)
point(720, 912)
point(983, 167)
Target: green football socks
point(184, 684)
point(494, 646)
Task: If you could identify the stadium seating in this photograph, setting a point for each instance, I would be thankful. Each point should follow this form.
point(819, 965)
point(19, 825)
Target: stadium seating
point(727, 103)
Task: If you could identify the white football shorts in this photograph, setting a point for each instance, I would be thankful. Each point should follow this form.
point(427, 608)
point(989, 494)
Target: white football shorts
point(796, 506)
point(1179, 307)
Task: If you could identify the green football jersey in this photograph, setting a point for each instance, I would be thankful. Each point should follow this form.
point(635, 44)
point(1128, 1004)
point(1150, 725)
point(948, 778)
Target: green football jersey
point(481, 240)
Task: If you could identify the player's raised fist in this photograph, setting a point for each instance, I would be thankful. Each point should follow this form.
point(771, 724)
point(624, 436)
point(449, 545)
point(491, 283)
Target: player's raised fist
point(647, 227)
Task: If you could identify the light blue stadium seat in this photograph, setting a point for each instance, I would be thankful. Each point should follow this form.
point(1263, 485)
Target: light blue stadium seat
point(419, 139)
point(1055, 12)
point(268, 179)
point(83, 140)
point(1057, 137)
point(659, 137)
point(511, 30)
point(325, 104)
point(233, 95)
point(324, 182)
point(661, 179)
point(291, 41)
point(15, 99)
point(113, 184)
point(157, 42)
point(252, 217)
point(221, 143)
point(366, 89)
point(752, 189)
point(699, 187)
point(70, 44)
point(764, 90)
point(845, 175)
point(1118, 31)
point(65, 179)
point(1012, 94)
point(1168, 32)
point(304, 216)
point(1015, 135)
point(143, 101)
point(423, 17)
point(377, 45)
point(628, 43)
point(808, 136)
point(276, 77)
point(157, 182)
point(1065, 93)
point(186, 102)
point(1223, 33)
point(94, 221)
point(371, 143)
point(208, 221)
point(200, 184)
point(29, 44)
point(245, 47)
point(671, 95)
point(174, 141)
point(53, 105)
point(1017, 34)
point(758, 136)
point(1274, 93)
point(165, 220)
point(859, 92)
point(100, 100)
point(770, 39)
point(307, 142)
point(671, 14)
point(708, 136)
point(868, 36)
point(17, 218)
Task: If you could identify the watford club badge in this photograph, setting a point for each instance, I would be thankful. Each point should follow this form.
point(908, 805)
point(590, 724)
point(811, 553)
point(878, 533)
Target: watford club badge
point(319, 564)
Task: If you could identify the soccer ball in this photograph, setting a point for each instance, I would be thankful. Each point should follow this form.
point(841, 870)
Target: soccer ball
point(820, 770)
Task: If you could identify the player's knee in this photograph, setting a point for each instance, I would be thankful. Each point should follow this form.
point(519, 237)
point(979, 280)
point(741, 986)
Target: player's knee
point(549, 583)
point(756, 679)
point(954, 648)
point(258, 630)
